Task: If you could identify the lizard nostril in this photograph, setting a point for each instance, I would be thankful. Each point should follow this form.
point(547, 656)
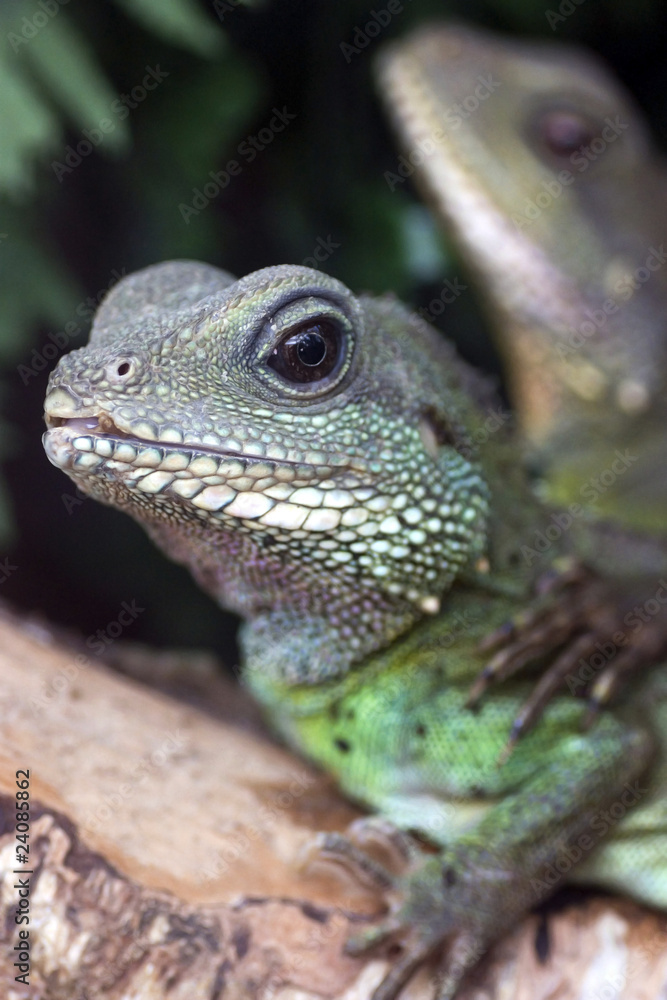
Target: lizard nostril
point(121, 369)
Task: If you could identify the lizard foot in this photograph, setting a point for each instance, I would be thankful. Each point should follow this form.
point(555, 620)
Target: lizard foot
point(375, 848)
point(432, 903)
point(575, 614)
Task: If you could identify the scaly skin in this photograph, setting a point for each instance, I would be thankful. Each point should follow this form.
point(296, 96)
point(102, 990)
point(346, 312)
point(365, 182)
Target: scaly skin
point(550, 189)
point(311, 457)
point(304, 505)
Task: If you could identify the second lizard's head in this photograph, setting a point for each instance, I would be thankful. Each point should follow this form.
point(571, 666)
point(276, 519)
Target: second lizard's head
point(296, 446)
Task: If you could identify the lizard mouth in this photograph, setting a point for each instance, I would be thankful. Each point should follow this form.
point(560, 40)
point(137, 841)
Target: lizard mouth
point(282, 493)
point(102, 428)
point(98, 434)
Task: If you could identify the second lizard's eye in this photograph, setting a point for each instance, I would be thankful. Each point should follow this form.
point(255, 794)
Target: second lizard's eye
point(308, 353)
point(564, 132)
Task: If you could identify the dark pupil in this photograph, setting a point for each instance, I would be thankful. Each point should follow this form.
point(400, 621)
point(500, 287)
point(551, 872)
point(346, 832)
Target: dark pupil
point(311, 348)
point(564, 132)
point(309, 352)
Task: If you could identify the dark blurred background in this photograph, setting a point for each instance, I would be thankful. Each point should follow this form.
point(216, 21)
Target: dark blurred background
point(73, 222)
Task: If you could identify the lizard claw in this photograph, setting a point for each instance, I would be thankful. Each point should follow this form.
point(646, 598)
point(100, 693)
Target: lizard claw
point(546, 624)
point(418, 923)
point(343, 850)
point(380, 833)
point(575, 615)
point(647, 647)
point(373, 848)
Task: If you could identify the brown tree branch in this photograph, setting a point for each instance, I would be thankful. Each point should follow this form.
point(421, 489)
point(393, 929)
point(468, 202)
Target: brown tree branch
point(165, 848)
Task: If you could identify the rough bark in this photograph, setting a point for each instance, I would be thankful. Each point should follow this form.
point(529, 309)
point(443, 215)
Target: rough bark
point(166, 850)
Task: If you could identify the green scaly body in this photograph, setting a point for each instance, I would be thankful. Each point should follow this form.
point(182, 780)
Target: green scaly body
point(550, 189)
point(323, 465)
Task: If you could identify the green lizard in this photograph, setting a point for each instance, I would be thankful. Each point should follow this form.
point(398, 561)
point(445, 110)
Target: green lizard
point(320, 463)
point(546, 180)
point(547, 183)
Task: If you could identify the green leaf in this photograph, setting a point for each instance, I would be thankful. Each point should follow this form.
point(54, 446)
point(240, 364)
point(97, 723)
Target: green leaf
point(180, 22)
point(423, 247)
point(28, 128)
point(202, 132)
point(63, 61)
point(207, 116)
point(36, 289)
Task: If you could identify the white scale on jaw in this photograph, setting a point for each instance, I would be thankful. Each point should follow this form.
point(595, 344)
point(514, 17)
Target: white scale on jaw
point(277, 497)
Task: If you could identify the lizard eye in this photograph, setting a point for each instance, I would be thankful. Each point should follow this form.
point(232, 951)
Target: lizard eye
point(309, 352)
point(564, 132)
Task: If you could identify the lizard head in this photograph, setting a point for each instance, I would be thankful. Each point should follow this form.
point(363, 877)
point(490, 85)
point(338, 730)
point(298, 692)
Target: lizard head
point(531, 155)
point(296, 446)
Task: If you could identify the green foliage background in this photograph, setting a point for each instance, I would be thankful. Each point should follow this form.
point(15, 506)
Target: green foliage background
point(69, 228)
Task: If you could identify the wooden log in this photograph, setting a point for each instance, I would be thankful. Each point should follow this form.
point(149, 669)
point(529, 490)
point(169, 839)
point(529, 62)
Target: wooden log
point(165, 847)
